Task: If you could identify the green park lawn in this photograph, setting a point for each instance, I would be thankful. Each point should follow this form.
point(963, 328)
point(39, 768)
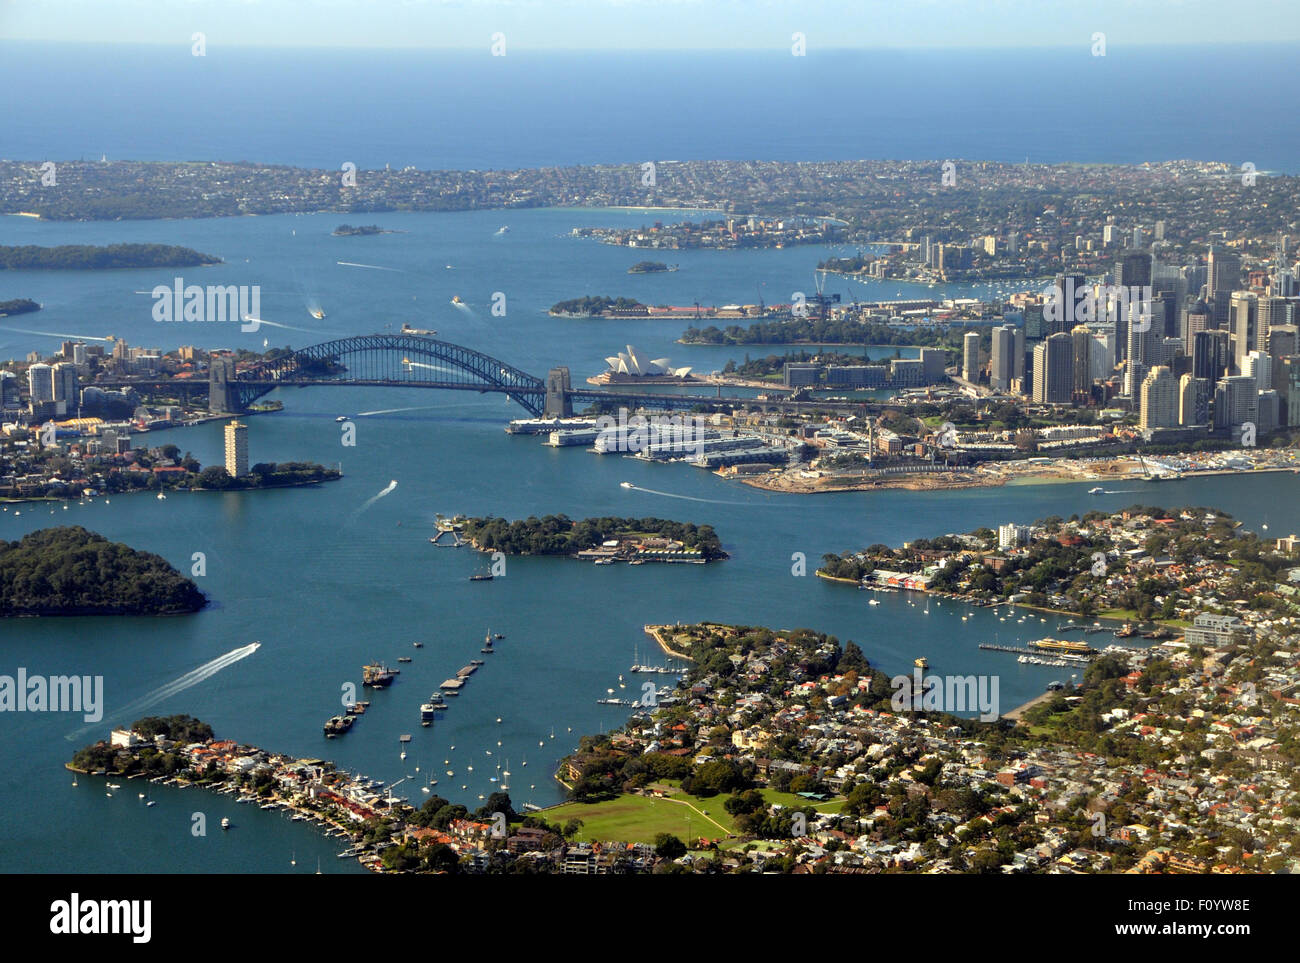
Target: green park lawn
point(638, 819)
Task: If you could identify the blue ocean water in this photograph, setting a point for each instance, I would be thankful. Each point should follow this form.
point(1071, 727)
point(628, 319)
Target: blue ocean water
point(464, 110)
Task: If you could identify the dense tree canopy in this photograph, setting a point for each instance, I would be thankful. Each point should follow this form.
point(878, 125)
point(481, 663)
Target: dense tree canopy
point(72, 571)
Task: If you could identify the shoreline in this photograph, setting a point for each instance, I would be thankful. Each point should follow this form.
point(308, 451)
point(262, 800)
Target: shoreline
point(653, 632)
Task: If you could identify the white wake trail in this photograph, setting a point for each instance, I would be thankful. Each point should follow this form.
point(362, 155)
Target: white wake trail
point(192, 678)
point(372, 267)
point(388, 490)
point(55, 334)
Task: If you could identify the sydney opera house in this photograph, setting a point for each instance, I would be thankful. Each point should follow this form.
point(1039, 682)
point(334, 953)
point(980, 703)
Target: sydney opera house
point(628, 367)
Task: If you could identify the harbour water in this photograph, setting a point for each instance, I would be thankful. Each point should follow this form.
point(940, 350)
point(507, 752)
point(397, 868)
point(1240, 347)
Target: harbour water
point(328, 583)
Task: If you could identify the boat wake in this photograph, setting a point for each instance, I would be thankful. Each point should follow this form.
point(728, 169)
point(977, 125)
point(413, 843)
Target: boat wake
point(387, 491)
point(372, 267)
point(131, 711)
point(55, 334)
point(249, 319)
point(689, 498)
point(393, 411)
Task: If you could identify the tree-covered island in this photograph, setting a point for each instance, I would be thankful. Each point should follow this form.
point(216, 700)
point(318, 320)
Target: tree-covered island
point(90, 257)
point(72, 571)
point(594, 306)
point(362, 230)
point(637, 539)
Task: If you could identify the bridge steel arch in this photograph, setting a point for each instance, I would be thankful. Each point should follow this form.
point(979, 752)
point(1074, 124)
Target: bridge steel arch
point(386, 359)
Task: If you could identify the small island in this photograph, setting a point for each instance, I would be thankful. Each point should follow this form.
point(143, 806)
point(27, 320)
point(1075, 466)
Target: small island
point(72, 571)
point(602, 540)
point(18, 306)
point(598, 306)
point(364, 230)
point(91, 257)
point(650, 267)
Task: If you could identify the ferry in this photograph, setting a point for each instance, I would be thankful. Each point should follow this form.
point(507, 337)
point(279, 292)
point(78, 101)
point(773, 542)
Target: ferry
point(403, 658)
point(341, 418)
point(1096, 491)
point(455, 299)
point(225, 822)
point(317, 313)
point(480, 578)
point(1063, 645)
point(624, 484)
point(921, 662)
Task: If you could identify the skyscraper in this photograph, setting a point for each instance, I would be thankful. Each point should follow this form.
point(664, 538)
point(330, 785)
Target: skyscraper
point(1054, 370)
point(1244, 326)
point(1234, 401)
point(1159, 399)
point(40, 383)
point(1210, 354)
point(970, 357)
point(1081, 349)
point(236, 449)
point(1008, 357)
point(1193, 401)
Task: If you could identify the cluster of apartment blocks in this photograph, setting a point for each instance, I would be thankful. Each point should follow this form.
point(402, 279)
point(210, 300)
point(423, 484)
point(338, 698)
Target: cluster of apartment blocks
point(54, 389)
point(1222, 358)
point(927, 369)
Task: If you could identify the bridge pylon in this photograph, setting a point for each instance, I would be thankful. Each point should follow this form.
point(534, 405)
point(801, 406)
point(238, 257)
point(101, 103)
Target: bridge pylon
point(221, 394)
point(558, 386)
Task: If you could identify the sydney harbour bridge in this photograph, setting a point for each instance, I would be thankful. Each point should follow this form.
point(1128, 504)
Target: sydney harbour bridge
point(418, 361)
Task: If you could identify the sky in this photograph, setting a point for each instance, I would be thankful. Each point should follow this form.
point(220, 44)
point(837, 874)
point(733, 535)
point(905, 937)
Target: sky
point(651, 24)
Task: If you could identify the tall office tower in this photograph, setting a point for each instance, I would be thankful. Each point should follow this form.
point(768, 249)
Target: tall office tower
point(1195, 318)
point(1008, 357)
point(1109, 234)
point(1160, 230)
point(1101, 352)
point(1211, 354)
point(1158, 399)
point(1222, 272)
point(1193, 277)
point(79, 353)
point(1069, 289)
point(1266, 412)
point(121, 352)
point(1275, 312)
point(40, 383)
point(1139, 238)
point(236, 449)
point(1081, 358)
point(1132, 270)
point(970, 357)
point(1222, 277)
point(1259, 366)
point(64, 375)
point(9, 392)
point(1283, 341)
point(1142, 341)
point(1193, 401)
point(1054, 370)
point(1289, 403)
point(1235, 400)
point(1244, 327)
